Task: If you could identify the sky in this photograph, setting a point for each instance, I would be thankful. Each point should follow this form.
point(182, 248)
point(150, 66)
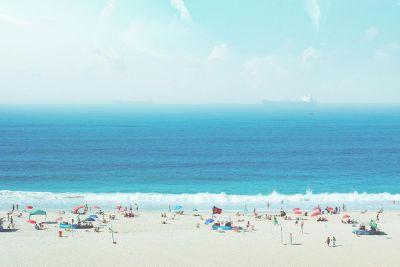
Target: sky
point(192, 51)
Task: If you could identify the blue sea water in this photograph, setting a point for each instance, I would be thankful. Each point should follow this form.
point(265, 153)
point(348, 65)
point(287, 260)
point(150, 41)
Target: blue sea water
point(200, 154)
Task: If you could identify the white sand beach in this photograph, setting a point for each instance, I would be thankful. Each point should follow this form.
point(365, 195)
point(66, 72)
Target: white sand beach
point(145, 241)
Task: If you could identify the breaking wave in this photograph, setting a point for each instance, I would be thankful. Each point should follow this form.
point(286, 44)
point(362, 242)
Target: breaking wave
point(199, 200)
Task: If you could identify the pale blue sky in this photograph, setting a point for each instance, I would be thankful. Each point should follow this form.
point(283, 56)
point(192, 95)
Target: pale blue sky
point(192, 51)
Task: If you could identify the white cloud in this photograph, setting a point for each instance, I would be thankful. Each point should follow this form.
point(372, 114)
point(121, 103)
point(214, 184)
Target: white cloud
point(314, 11)
point(107, 11)
point(308, 54)
point(12, 20)
point(181, 7)
point(219, 52)
point(387, 52)
point(318, 11)
point(371, 32)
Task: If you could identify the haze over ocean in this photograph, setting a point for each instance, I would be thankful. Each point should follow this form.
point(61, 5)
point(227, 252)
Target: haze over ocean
point(192, 154)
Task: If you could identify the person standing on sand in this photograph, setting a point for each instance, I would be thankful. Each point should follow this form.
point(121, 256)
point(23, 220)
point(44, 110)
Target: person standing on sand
point(328, 241)
point(291, 239)
point(333, 241)
point(377, 217)
point(302, 226)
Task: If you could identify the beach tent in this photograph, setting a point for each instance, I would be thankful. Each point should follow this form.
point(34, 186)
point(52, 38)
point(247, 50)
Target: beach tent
point(37, 212)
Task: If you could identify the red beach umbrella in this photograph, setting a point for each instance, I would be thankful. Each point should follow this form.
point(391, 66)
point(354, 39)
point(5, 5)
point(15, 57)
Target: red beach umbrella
point(78, 208)
point(32, 221)
point(315, 214)
point(28, 207)
point(316, 208)
point(346, 216)
point(296, 209)
point(329, 208)
point(297, 212)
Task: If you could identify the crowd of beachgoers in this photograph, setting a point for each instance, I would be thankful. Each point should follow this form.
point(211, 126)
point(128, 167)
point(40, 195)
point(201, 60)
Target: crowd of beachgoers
point(93, 217)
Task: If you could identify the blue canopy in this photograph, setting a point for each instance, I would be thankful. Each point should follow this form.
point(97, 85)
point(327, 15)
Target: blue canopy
point(90, 219)
point(93, 216)
point(208, 221)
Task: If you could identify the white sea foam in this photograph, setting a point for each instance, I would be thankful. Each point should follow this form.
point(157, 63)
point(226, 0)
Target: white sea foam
point(201, 200)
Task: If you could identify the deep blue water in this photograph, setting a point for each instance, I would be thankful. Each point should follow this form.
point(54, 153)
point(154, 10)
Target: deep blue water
point(241, 150)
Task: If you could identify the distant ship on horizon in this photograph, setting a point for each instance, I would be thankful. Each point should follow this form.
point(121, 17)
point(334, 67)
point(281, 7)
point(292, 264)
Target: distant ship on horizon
point(306, 100)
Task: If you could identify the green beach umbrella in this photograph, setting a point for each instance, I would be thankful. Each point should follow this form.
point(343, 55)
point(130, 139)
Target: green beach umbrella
point(37, 212)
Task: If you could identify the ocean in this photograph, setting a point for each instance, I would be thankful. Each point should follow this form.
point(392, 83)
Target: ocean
point(199, 156)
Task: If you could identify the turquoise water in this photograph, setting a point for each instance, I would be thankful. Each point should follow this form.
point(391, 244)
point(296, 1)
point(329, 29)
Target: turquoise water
point(200, 155)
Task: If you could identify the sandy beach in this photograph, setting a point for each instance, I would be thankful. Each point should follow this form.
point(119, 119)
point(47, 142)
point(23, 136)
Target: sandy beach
point(187, 241)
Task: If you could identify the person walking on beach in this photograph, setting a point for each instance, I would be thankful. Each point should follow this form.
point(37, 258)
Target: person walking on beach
point(301, 227)
point(291, 238)
point(17, 207)
point(333, 241)
point(377, 217)
point(328, 241)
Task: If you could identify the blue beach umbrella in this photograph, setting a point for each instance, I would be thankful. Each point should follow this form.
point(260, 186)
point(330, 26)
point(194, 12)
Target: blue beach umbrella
point(178, 207)
point(208, 221)
point(90, 219)
point(93, 216)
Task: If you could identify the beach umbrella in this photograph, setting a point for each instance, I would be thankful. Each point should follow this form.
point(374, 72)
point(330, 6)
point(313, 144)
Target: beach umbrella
point(329, 208)
point(208, 221)
point(178, 207)
point(37, 212)
point(90, 219)
point(316, 208)
point(28, 207)
point(32, 221)
point(297, 212)
point(75, 209)
point(346, 216)
point(96, 207)
point(296, 209)
point(315, 214)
